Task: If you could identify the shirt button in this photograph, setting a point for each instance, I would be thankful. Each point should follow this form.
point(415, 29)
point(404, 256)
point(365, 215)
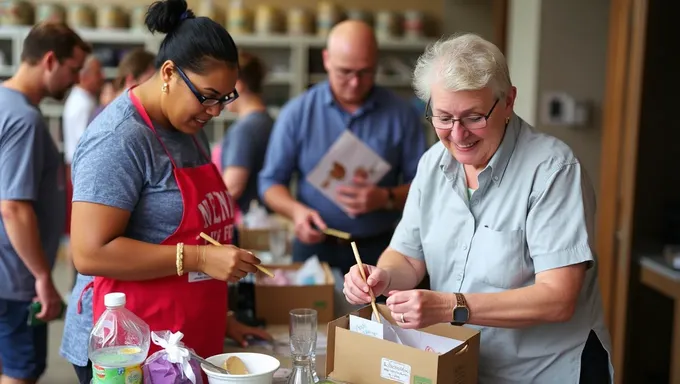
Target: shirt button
point(495, 178)
point(465, 247)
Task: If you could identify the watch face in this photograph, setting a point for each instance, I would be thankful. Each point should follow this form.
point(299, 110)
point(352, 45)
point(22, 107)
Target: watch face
point(461, 315)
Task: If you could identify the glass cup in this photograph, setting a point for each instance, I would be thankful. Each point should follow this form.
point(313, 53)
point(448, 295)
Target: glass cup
point(278, 240)
point(303, 333)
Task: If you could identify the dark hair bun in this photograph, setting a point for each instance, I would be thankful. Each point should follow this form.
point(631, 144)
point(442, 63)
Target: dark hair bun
point(166, 15)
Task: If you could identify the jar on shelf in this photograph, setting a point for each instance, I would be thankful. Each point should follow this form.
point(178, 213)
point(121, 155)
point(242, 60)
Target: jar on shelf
point(386, 25)
point(413, 24)
point(299, 22)
point(238, 19)
point(266, 20)
point(17, 12)
point(328, 14)
point(111, 17)
point(359, 14)
point(81, 16)
point(138, 18)
point(210, 10)
point(51, 12)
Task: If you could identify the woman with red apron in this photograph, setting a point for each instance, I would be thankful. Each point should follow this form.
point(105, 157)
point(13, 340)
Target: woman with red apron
point(144, 183)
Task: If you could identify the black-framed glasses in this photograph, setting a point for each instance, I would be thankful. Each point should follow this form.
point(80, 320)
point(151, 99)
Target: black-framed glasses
point(207, 101)
point(346, 73)
point(470, 122)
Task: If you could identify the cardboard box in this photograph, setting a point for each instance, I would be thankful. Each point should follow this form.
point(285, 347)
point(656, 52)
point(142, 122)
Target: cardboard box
point(274, 302)
point(258, 239)
point(359, 359)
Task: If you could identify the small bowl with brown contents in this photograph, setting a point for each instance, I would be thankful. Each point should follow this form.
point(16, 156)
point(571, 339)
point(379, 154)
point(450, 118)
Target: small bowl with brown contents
point(260, 368)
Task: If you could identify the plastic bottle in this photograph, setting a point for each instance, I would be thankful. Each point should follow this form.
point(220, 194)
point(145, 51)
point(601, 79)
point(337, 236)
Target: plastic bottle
point(119, 344)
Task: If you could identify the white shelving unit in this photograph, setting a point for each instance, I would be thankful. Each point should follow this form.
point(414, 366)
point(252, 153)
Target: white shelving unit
point(294, 64)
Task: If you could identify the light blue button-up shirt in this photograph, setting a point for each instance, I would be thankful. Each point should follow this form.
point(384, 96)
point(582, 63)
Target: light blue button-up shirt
point(534, 210)
point(309, 124)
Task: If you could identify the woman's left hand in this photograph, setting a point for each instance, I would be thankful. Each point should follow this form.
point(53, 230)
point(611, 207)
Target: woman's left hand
point(239, 332)
point(418, 308)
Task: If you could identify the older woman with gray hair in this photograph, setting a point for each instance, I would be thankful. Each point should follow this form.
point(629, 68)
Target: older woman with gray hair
point(501, 217)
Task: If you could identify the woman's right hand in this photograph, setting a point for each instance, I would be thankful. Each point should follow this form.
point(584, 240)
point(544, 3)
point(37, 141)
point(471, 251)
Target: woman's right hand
point(227, 263)
point(356, 290)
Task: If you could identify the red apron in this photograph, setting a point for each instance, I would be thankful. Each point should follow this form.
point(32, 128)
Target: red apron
point(194, 303)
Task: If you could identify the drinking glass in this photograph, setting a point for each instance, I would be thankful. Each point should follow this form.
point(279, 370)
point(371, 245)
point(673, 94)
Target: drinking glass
point(278, 239)
point(303, 332)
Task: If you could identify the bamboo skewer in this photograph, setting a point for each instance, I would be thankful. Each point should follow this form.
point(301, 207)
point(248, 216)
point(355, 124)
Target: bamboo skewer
point(363, 275)
point(336, 233)
point(217, 244)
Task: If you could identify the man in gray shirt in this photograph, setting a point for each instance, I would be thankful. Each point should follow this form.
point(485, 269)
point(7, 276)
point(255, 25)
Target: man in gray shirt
point(32, 200)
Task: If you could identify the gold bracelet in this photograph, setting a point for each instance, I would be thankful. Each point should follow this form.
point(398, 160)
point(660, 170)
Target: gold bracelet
point(180, 259)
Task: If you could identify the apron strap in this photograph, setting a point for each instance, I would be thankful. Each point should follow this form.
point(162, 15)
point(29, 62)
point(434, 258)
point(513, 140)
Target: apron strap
point(79, 308)
point(145, 116)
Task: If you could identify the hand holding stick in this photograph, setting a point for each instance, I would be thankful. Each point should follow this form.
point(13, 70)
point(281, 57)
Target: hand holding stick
point(363, 275)
point(217, 244)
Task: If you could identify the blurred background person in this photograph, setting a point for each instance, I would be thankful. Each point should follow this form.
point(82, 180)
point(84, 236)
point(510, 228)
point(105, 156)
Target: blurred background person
point(32, 196)
point(244, 145)
point(135, 68)
point(310, 124)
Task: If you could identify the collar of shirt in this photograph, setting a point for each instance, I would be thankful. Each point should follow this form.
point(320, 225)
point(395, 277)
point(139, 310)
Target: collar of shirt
point(499, 161)
point(372, 99)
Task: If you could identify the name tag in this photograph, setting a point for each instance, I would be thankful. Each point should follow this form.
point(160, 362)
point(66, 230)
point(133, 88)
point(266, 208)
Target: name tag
point(195, 277)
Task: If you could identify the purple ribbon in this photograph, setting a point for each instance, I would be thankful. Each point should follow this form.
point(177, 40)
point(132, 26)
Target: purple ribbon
point(184, 16)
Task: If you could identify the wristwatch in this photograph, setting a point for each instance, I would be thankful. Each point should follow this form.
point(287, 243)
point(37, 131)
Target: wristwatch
point(461, 312)
point(390, 200)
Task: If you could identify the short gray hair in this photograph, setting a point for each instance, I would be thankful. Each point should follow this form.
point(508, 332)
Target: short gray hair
point(462, 63)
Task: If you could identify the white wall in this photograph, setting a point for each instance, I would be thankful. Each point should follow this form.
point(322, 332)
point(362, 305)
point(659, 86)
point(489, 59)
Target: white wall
point(524, 38)
point(558, 45)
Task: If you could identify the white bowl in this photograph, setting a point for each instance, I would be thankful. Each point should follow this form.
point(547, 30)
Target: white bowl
point(260, 366)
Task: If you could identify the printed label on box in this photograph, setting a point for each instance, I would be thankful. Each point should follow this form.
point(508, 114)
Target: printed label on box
point(421, 380)
point(395, 371)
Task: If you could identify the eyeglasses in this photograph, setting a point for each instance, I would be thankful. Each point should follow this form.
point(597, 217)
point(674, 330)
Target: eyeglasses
point(347, 74)
point(470, 122)
point(207, 101)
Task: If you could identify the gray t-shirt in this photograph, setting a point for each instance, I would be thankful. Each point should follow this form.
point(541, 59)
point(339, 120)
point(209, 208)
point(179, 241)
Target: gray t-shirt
point(31, 169)
point(245, 145)
point(119, 162)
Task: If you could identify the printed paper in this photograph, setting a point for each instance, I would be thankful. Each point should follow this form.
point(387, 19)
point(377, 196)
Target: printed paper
point(415, 338)
point(395, 371)
point(365, 327)
point(346, 158)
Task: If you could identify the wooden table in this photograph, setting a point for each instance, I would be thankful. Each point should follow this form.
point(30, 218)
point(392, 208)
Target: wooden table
point(283, 357)
point(656, 274)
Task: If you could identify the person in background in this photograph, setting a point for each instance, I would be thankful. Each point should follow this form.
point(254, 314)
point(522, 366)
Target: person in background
point(307, 127)
point(78, 108)
point(32, 206)
point(144, 188)
point(502, 217)
point(135, 68)
point(245, 143)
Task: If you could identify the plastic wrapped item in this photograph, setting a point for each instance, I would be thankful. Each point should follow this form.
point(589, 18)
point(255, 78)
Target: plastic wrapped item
point(173, 364)
point(257, 217)
point(310, 273)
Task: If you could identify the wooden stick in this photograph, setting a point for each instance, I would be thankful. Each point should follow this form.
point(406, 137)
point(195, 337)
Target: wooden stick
point(217, 244)
point(363, 275)
point(336, 233)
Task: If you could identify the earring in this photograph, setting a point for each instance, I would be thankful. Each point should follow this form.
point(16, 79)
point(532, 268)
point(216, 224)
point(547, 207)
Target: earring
point(507, 120)
point(164, 88)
